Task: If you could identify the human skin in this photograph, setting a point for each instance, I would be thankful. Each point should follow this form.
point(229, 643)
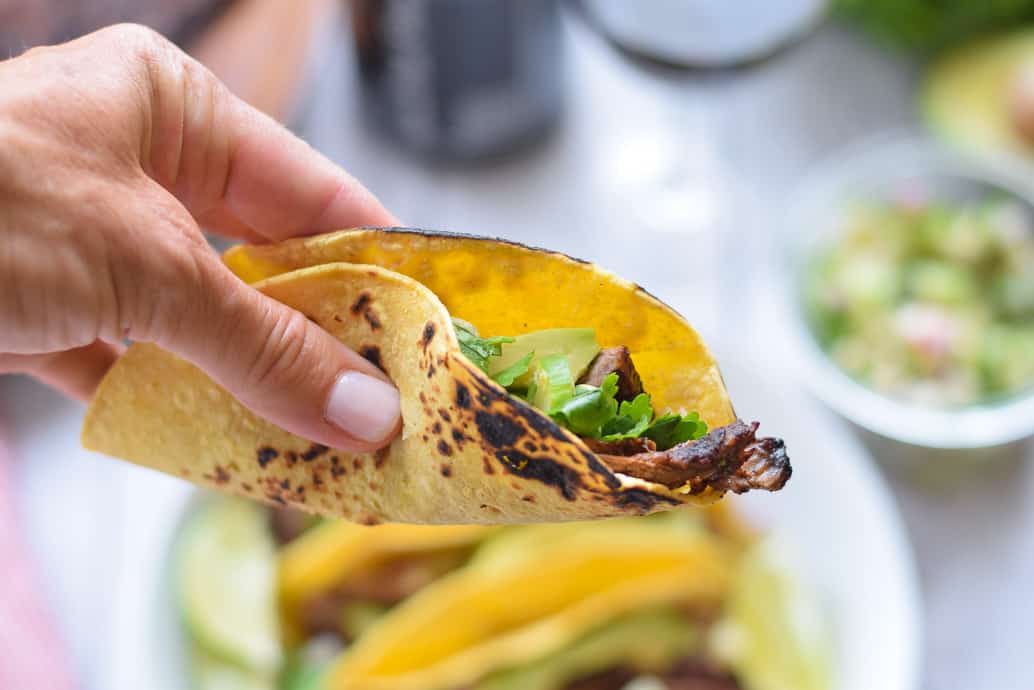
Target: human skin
point(115, 149)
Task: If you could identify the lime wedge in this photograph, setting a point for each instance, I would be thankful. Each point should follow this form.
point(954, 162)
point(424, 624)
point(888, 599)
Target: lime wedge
point(226, 576)
point(773, 634)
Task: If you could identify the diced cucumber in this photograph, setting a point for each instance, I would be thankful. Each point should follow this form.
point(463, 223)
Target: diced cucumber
point(226, 582)
point(554, 383)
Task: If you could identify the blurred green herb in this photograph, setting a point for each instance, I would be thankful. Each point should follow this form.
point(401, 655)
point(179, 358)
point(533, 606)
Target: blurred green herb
point(929, 25)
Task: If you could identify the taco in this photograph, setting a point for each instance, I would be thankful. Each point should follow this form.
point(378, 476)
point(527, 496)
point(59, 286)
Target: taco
point(534, 387)
point(687, 599)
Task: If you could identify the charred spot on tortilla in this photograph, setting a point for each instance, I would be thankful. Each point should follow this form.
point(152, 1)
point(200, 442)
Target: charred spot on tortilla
point(598, 468)
point(542, 425)
point(462, 396)
point(428, 334)
point(436, 428)
point(431, 371)
point(528, 498)
point(498, 430)
point(372, 319)
point(357, 463)
point(486, 466)
point(446, 470)
point(359, 306)
point(380, 457)
point(444, 448)
point(444, 414)
point(458, 438)
point(314, 451)
point(338, 319)
point(543, 470)
point(266, 455)
point(220, 476)
point(246, 486)
point(487, 394)
point(372, 354)
point(642, 499)
point(291, 457)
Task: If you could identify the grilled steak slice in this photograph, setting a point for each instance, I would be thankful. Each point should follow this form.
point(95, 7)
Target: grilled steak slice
point(696, 674)
point(617, 360)
point(728, 458)
point(612, 679)
point(287, 524)
point(387, 584)
point(626, 446)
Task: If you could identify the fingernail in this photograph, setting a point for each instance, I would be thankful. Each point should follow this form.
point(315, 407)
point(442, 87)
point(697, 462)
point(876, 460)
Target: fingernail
point(365, 407)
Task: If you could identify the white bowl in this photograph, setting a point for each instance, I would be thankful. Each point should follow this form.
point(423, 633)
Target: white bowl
point(873, 170)
point(836, 517)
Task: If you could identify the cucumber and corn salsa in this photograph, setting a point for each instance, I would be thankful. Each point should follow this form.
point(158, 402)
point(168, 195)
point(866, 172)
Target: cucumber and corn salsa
point(272, 600)
point(929, 302)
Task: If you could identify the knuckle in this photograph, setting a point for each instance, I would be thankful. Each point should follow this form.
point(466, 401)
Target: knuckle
point(280, 359)
point(135, 39)
point(158, 292)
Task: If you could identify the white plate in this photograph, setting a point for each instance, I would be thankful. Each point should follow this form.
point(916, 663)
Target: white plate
point(835, 515)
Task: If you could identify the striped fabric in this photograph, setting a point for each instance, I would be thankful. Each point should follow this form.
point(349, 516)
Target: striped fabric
point(32, 656)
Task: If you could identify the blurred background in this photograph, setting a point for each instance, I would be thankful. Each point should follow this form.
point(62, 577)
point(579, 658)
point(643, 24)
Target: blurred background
point(839, 193)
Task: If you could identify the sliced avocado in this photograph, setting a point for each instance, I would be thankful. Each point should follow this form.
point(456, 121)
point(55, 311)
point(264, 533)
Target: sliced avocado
point(578, 344)
point(226, 585)
point(211, 673)
point(647, 641)
point(968, 95)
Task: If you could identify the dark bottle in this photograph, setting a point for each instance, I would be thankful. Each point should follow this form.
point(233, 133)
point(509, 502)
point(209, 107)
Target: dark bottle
point(459, 79)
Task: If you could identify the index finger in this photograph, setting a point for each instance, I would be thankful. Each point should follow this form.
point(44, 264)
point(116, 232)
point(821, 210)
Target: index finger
point(240, 172)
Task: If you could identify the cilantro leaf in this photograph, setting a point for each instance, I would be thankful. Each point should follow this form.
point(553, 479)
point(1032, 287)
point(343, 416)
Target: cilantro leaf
point(633, 419)
point(672, 429)
point(474, 347)
point(590, 408)
point(507, 376)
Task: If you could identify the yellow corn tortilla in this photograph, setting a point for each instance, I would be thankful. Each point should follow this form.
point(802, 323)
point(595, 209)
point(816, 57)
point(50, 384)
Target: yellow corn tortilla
point(468, 452)
point(328, 554)
point(531, 595)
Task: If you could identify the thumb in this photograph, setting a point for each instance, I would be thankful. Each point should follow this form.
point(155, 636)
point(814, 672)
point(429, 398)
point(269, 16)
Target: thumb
point(281, 365)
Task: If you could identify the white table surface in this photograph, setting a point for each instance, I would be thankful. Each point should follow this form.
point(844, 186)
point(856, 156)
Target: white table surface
point(673, 180)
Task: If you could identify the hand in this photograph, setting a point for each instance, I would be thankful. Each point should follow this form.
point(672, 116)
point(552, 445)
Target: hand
point(113, 149)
